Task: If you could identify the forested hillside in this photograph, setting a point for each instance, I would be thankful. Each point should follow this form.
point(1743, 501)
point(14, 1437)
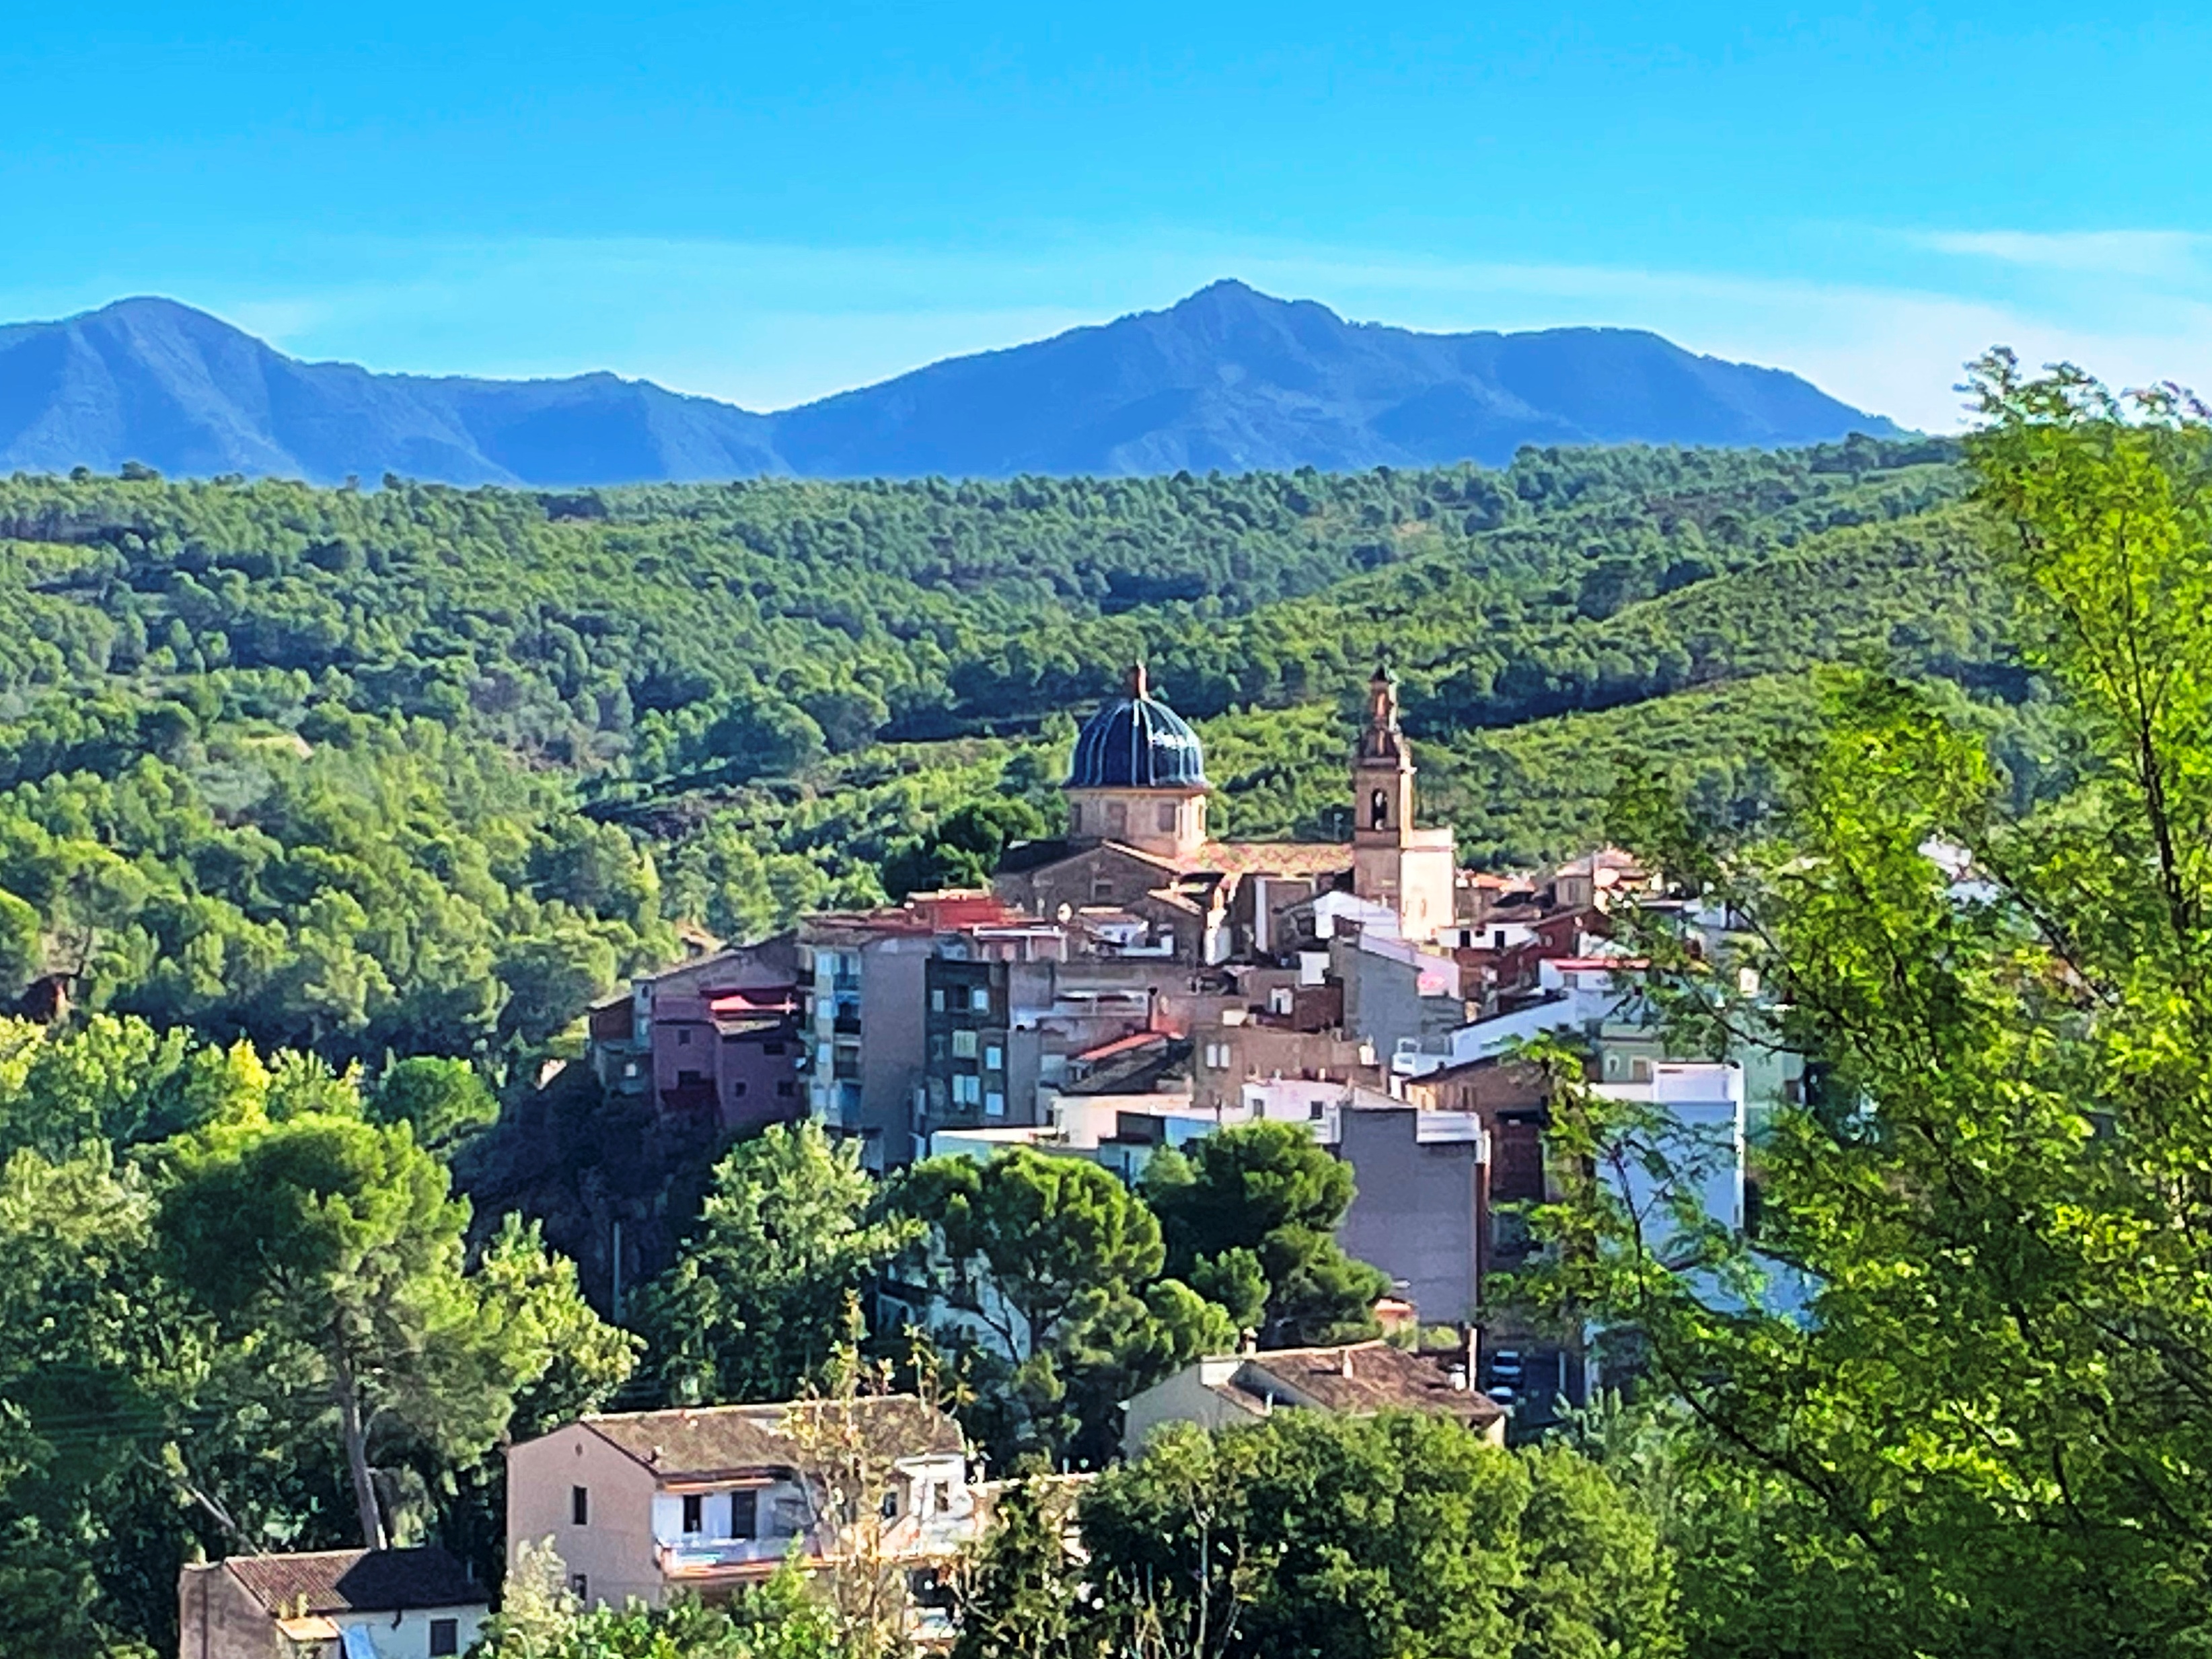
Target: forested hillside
point(418, 768)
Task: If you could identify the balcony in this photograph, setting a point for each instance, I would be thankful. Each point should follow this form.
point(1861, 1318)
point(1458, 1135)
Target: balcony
point(695, 1557)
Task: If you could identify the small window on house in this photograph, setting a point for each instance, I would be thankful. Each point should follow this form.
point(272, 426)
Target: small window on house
point(1075, 820)
point(940, 1498)
point(1117, 817)
point(683, 1036)
point(580, 1506)
point(964, 1044)
point(744, 1514)
point(967, 1089)
point(579, 1587)
point(1167, 816)
point(994, 1058)
point(994, 1104)
point(444, 1638)
point(889, 1507)
point(737, 1088)
point(1316, 1109)
point(690, 1074)
point(1378, 809)
point(1101, 891)
point(784, 1090)
point(771, 1048)
point(694, 1514)
point(979, 998)
point(936, 1000)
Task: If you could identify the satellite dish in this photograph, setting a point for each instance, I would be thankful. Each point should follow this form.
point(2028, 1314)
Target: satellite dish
point(1067, 912)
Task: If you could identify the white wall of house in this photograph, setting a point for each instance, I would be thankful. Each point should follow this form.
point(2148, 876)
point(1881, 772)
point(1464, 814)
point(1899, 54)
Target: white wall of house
point(738, 1521)
point(409, 1635)
point(1191, 1395)
point(613, 1550)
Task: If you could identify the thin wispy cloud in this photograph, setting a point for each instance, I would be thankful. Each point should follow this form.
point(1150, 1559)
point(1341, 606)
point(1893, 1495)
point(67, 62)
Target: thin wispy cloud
point(2149, 253)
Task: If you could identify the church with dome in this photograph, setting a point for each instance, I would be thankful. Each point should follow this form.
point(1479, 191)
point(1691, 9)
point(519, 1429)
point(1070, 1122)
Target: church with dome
point(1137, 843)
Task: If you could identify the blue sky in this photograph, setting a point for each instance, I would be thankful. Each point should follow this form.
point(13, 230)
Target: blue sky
point(769, 204)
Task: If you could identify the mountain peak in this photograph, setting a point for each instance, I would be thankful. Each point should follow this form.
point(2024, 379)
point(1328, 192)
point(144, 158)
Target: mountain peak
point(1227, 378)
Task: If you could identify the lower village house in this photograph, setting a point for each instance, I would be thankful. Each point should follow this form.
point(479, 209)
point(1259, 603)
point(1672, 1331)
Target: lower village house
point(1359, 1379)
point(333, 1604)
point(710, 1499)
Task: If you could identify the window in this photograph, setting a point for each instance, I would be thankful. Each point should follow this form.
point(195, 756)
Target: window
point(771, 1048)
point(694, 1514)
point(1101, 891)
point(994, 1104)
point(979, 998)
point(1167, 816)
point(580, 1506)
point(1075, 820)
point(967, 1089)
point(1378, 809)
point(1317, 1109)
point(444, 1638)
point(1117, 817)
point(579, 1587)
point(994, 1058)
point(940, 1498)
point(683, 1036)
point(964, 1044)
point(784, 1089)
point(889, 1507)
point(744, 1514)
point(687, 1074)
point(738, 1088)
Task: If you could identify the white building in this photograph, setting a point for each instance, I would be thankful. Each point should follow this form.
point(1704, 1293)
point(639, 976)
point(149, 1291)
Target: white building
point(330, 1604)
point(645, 1504)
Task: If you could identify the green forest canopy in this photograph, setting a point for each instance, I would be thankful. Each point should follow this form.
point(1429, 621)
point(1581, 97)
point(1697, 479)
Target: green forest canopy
point(420, 769)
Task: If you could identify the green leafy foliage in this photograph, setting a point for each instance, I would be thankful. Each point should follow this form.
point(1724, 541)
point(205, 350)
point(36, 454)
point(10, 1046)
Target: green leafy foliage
point(1982, 1436)
point(307, 765)
point(1394, 1536)
point(1255, 1208)
point(749, 1309)
point(1050, 1269)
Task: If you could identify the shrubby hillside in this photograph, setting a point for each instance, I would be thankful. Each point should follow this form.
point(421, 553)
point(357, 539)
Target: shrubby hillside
point(421, 769)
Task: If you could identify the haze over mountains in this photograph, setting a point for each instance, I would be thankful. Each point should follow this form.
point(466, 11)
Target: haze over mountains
point(1229, 379)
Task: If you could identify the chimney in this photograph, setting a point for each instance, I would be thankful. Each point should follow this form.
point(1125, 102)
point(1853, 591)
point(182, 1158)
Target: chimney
point(1344, 1362)
point(1248, 1342)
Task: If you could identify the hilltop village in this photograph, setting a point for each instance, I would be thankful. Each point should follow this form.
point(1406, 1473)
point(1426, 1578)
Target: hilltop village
point(1133, 987)
point(1138, 985)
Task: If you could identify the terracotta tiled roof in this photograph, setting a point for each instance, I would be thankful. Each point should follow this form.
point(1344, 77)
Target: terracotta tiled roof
point(1273, 857)
point(357, 1581)
point(1363, 1378)
point(709, 1440)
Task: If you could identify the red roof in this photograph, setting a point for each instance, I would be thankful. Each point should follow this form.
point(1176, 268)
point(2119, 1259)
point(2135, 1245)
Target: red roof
point(762, 999)
point(1122, 1045)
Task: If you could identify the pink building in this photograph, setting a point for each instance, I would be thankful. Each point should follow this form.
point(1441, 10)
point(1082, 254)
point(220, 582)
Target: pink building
point(716, 1036)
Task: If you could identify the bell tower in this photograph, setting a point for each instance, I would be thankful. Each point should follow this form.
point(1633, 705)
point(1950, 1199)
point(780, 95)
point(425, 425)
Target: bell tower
point(1381, 767)
point(1394, 860)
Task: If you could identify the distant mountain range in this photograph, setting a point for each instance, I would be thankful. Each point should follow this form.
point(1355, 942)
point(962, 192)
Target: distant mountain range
point(1229, 379)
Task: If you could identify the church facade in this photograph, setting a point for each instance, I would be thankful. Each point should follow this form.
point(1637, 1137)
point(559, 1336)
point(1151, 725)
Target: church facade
point(1137, 841)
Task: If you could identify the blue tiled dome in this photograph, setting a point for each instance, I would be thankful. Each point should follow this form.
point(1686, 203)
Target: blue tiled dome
point(1136, 742)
